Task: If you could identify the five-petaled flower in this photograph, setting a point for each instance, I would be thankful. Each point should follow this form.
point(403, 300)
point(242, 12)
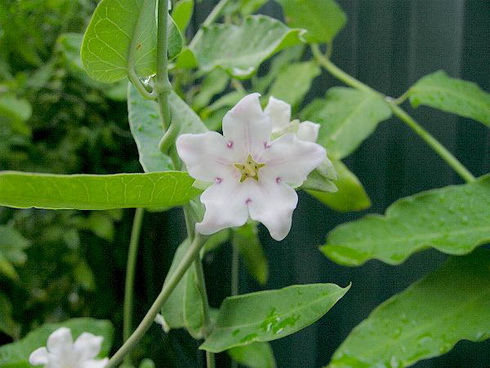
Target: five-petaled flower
point(251, 174)
point(62, 352)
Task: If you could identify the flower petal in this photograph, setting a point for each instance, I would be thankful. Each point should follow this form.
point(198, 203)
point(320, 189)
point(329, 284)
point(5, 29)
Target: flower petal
point(39, 356)
point(207, 156)
point(246, 127)
point(60, 343)
point(226, 206)
point(279, 112)
point(308, 131)
point(273, 204)
point(290, 160)
point(95, 363)
point(87, 346)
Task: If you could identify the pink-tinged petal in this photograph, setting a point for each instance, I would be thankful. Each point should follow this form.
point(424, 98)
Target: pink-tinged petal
point(226, 206)
point(207, 156)
point(273, 203)
point(39, 356)
point(279, 112)
point(60, 343)
point(290, 160)
point(308, 131)
point(87, 346)
point(246, 127)
point(95, 363)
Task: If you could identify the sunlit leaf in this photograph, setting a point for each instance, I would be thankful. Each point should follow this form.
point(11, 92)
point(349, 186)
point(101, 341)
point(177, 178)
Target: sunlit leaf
point(254, 355)
point(425, 320)
point(95, 192)
point(270, 315)
point(453, 220)
point(240, 49)
point(347, 117)
point(452, 95)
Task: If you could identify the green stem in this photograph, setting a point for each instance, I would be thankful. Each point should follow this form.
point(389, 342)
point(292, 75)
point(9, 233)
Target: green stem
point(209, 20)
point(442, 151)
point(168, 287)
point(130, 273)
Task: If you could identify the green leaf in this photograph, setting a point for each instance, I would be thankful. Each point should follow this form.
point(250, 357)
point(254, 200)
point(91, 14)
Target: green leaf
point(241, 49)
point(347, 117)
point(452, 95)
point(213, 83)
point(323, 19)
point(16, 355)
point(7, 323)
point(453, 220)
point(425, 320)
point(270, 315)
point(182, 14)
point(187, 119)
point(254, 355)
point(350, 195)
point(95, 192)
point(250, 6)
point(12, 245)
point(15, 108)
point(293, 90)
point(247, 242)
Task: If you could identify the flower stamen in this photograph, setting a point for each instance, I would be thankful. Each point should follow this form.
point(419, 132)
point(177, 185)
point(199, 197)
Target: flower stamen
point(249, 169)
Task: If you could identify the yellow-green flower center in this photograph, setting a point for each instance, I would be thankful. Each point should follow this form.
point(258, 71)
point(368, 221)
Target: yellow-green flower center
point(249, 169)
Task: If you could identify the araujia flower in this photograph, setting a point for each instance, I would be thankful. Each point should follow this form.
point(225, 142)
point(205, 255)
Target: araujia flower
point(62, 352)
point(251, 174)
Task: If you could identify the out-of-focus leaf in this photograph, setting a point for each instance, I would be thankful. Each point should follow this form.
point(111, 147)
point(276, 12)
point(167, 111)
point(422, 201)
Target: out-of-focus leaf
point(84, 276)
point(254, 355)
point(182, 14)
point(240, 49)
point(452, 95)
point(15, 108)
point(16, 355)
point(188, 120)
point(7, 323)
point(246, 240)
point(12, 245)
point(250, 6)
point(101, 225)
point(95, 192)
point(323, 19)
point(212, 84)
point(216, 240)
point(270, 315)
point(453, 220)
point(425, 320)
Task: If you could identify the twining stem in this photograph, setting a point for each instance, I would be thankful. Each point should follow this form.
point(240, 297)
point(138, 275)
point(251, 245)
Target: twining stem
point(168, 287)
point(442, 151)
point(209, 20)
point(130, 272)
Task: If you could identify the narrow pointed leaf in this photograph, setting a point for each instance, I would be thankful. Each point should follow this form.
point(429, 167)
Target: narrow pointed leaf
point(240, 49)
point(95, 192)
point(453, 95)
point(453, 220)
point(322, 19)
point(425, 320)
point(254, 355)
point(270, 315)
point(347, 117)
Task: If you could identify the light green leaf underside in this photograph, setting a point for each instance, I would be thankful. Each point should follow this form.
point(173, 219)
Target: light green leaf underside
point(270, 315)
point(16, 355)
point(453, 220)
point(347, 117)
point(95, 192)
point(241, 49)
point(350, 195)
point(452, 95)
point(254, 355)
point(322, 19)
point(425, 320)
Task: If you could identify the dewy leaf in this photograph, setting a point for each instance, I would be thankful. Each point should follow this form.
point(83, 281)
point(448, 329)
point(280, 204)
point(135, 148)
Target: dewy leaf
point(453, 220)
point(16, 355)
point(425, 320)
point(348, 117)
point(452, 95)
point(322, 18)
point(254, 355)
point(241, 49)
point(95, 192)
point(270, 315)
point(12, 245)
point(350, 195)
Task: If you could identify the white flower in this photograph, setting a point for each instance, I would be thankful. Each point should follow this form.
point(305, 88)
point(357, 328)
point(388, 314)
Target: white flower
point(250, 174)
point(62, 352)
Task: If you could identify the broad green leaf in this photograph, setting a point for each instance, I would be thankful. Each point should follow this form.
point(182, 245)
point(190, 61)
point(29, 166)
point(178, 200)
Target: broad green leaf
point(270, 315)
point(16, 355)
point(452, 95)
point(12, 245)
point(293, 89)
point(122, 35)
point(95, 192)
point(182, 14)
point(347, 117)
point(247, 242)
point(240, 49)
point(254, 355)
point(350, 194)
point(453, 220)
point(425, 320)
point(323, 19)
